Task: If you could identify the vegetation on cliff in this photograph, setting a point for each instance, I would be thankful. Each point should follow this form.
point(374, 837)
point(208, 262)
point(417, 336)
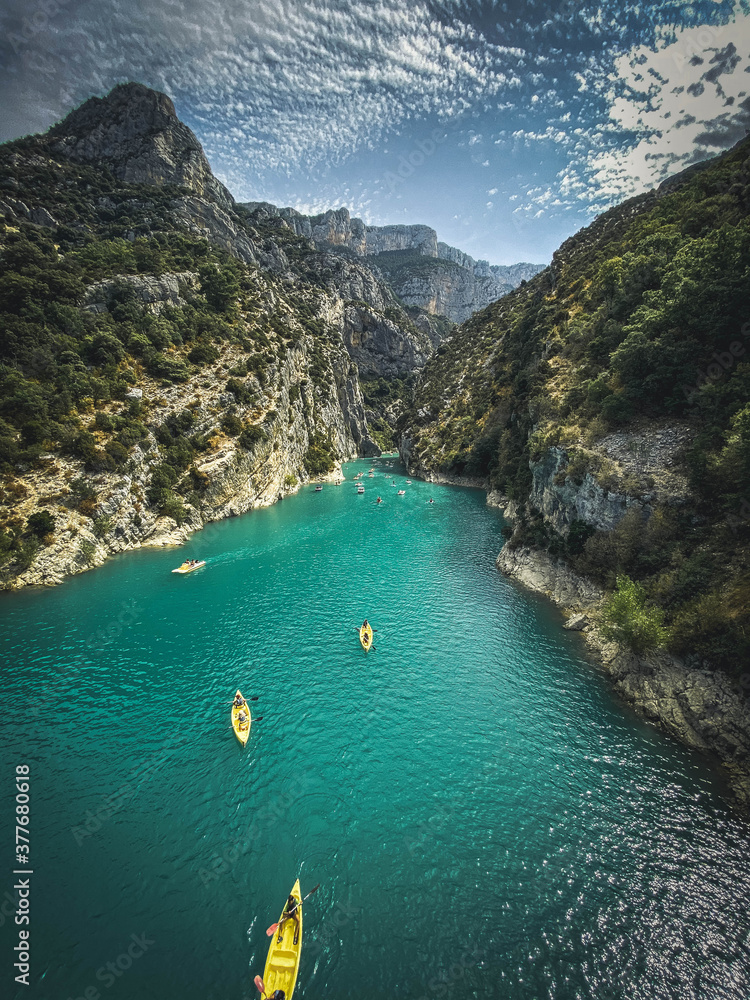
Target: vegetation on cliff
point(78, 333)
point(641, 321)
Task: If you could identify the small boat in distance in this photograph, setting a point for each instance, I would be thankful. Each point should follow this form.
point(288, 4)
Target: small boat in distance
point(401, 493)
point(360, 489)
point(408, 482)
point(365, 635)
point(190, 565)
point(318, 489)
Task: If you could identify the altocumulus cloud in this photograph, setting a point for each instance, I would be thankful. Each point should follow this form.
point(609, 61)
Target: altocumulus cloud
point(562, 106)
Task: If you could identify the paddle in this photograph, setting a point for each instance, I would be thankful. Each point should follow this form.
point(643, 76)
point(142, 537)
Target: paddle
point(246, 699)
point(274, 927)
point(260, 985)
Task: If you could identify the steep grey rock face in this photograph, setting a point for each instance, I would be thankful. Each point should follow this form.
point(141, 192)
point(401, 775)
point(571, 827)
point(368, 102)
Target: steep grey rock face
point(543, 573)
point(379, 346)
point(136, 133)
point(562, 503)
point(637, 468)
point(290, 408)
point(506, 276)
point(353, 280)
point(381, 239)
point(453, 292)
point(153, 293)
point(220, 226)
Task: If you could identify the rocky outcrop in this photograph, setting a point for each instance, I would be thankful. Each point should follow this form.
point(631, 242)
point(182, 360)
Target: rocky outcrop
point(150, 292)
point(599, 484)
point(442, 288)
point(384, 239)
point(543, 573)
point(454, 285)
point(700, 707)
point(230, 479)
point(378, 345)
point(506, 276)
point(136, 133)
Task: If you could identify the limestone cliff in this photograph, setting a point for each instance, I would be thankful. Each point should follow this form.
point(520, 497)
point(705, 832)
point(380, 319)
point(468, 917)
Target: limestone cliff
point(288, 410)
point(423, 272)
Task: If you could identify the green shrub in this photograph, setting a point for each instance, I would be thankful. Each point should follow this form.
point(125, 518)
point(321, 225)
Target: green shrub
point(627, 618)
point(203, 354)
point(102, 526)
point(103, 421)
point(168, 368)
point(173, 507)
point(319, 457)
point(251, 435)
point(40, 523)
point(27, 552)
point(239, 390)
point(231, 425)
point(118, 452)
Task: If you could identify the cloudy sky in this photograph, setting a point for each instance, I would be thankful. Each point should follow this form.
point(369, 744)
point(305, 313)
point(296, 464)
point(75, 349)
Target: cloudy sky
point(504, 125)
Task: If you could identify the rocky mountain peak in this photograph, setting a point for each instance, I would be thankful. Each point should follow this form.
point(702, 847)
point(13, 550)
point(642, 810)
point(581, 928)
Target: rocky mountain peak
point(135, 132)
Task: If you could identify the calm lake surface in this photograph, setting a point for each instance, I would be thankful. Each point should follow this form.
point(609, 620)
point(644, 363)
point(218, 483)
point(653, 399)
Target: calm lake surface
point(484, 818)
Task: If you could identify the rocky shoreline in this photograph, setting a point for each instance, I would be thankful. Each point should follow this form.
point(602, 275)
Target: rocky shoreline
point(701, 708)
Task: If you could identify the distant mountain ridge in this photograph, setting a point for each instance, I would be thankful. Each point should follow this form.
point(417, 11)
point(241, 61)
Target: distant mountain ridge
point(457, 298)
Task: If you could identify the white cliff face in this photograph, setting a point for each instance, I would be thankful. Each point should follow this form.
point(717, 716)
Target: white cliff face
point(310, 388)
point(381, 239)
point(455, 292)
point(446, 291)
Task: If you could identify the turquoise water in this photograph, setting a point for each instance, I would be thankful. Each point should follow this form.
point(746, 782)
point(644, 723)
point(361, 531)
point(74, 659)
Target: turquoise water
point(483, 817)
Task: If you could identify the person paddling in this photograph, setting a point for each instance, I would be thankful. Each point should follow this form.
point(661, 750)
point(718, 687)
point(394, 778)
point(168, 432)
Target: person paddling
point(290, 913)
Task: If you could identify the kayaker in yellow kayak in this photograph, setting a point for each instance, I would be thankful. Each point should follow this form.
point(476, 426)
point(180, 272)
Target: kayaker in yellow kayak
point(239, 701)
point(290, 913)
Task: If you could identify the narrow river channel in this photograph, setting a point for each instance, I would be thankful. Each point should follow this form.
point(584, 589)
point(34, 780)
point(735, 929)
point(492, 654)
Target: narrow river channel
point(484, 818)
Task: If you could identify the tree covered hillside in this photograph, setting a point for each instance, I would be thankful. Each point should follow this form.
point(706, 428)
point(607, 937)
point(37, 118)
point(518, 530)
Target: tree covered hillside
point(103, 289)
point(641, 323)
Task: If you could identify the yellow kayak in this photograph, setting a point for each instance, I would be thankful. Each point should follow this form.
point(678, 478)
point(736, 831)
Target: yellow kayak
point(241, 729)
point(282, 964)
point(189, 567)
point(365, 636)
